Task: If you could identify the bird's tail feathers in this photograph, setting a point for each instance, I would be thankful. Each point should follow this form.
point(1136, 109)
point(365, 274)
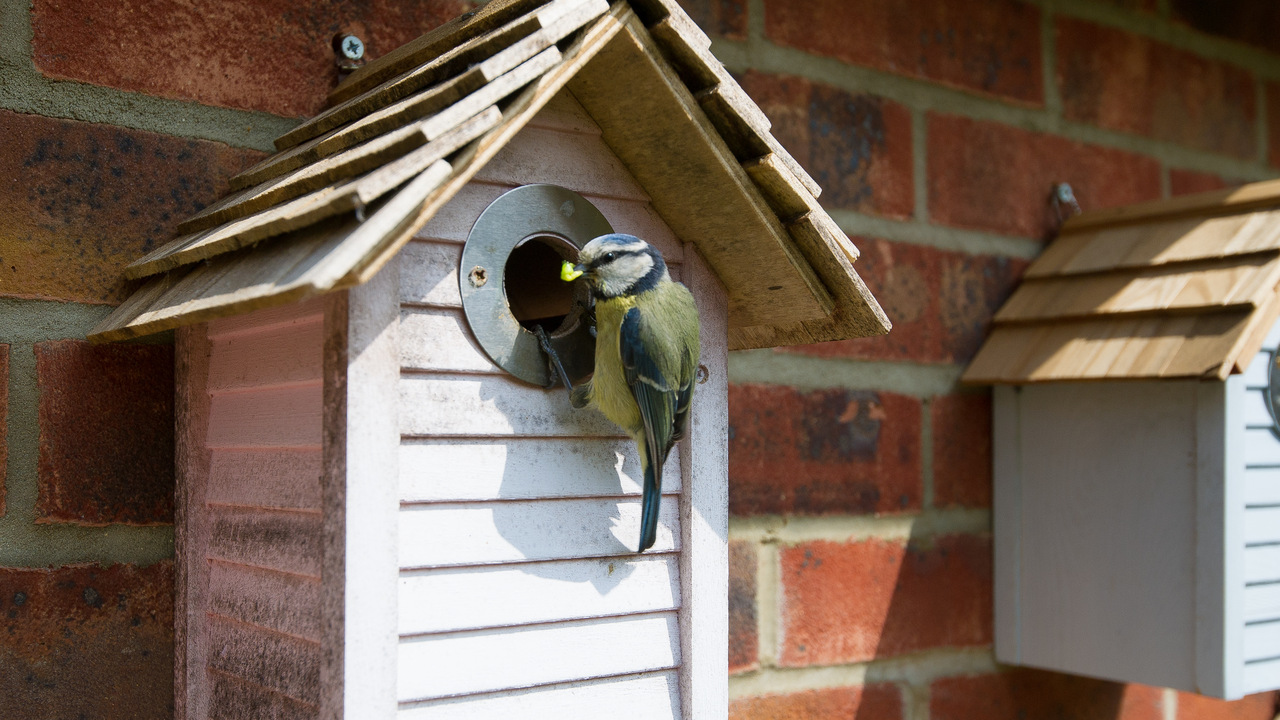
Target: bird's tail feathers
point(652, 500)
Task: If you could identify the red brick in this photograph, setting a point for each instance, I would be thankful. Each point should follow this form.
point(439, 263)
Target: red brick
point(857, 146)
point(725, 18)
point(4, 421)
point(990, 47)
point(1019, 694)
point(826, 452)
point(988, 176)
point(744, 640)
point(940, 302)
point(87, 642)
point(106, 433)
point(82, 200)
point(1249, 21)
point(852, 602)
point(271, 55)
point(1262, 706)
point(1126, 82)
point(1186, 182)
point(871, 702)
point(961, 450)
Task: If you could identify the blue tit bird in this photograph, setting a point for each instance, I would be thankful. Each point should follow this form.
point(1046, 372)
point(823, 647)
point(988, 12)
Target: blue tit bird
point(646, 354)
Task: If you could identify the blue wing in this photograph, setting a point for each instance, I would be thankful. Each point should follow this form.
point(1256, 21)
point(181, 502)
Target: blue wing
point(659, 400)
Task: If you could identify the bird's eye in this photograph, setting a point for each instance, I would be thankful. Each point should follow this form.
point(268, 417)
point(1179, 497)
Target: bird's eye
point(610, 256)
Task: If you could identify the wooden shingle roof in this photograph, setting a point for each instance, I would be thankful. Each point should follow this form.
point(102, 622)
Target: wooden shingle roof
point(1184, 288)
point(348, 188)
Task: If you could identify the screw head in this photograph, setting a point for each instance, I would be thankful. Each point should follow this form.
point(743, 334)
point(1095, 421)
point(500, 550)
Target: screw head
point(1064, 192)
point(352, 47)
point(478, 276)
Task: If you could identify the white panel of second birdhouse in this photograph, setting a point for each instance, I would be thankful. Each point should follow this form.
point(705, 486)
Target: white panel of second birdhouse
point(519, 585)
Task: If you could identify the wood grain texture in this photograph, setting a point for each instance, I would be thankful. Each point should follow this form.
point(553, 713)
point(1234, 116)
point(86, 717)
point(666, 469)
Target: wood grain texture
point(287, 542)
point(450, 405)
point(232, 697)
point(644, 696)
point(284, 664)
point(438, 666)
point(276, 478)
point(281, 356)
point(287, 416)
point(1232, 200)
point(283, 602)
point(552, 591)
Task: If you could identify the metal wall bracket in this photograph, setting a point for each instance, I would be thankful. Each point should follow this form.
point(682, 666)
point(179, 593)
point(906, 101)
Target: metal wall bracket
point(556, 218)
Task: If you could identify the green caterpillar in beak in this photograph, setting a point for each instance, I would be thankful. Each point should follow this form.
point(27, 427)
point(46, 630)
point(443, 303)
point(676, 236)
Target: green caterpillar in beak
point(569, 272)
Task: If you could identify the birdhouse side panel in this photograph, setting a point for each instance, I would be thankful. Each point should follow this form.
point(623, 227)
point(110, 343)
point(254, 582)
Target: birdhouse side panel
point(520, 590)
point(249, 534)
point(1254, 458)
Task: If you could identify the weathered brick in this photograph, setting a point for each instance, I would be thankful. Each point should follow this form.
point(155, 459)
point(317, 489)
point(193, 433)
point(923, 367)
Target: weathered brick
point(744, 639)
point(870, 702)
point(1262, 706)
point(1249, 21)
point(826, 452)
point(961, 450)
point(989, 47)
point(1126, 82)
point(725, 18)
point(106, 433)
point(988, 176)
point(87, 642)
point(852, 602)
point(274, 55)
point(4, 421)
point(856, 146)
point(82, 200)
point(940, 302)
point(1023, 693)
point(1185, 182)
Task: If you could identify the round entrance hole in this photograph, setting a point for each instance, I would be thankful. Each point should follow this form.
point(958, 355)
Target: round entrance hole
point(535, 293)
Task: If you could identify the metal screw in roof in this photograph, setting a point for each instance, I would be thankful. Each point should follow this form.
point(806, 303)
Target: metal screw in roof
point(348, 51)
point(353, 48)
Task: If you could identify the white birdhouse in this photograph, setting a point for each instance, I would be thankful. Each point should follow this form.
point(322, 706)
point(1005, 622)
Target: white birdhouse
point(381, 510)
point(1137, 450)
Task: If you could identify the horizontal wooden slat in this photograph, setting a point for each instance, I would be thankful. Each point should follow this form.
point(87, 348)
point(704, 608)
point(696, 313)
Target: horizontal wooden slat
point(1261, 448)
point(285, 664)
point(1260, 676)
point(434, 666)
point(436, 601)
point(429, 274)
point(283, 355)
point(1262, 602)
point(285, 541)
point(441, 405)
point(277, 601)
point(1257, 370)
point(524, 468)
point(650, 696)
point(1262, 525)
point(1262, 641)
point(231, 697)
point(1262, 486)
point(1253, 410)
point(1238, 199)
point(435, 339)
point(269, 320)
point(282, 478)
point(1262, 564)
point(584, 164)
point(448, 535)
point(270, 417)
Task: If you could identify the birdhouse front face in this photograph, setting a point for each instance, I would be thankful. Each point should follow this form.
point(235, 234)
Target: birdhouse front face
point(373, 504)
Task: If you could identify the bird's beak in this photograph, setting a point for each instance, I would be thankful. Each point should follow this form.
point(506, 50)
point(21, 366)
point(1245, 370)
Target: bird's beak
point(570, 272)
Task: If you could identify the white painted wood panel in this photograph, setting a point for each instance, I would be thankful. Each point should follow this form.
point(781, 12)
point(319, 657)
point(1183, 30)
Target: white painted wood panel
point(285, 664)
point(441, 405)
point(282, 602)
point(285, 478)
point(280, 355)
point(1259, 676)
point(1255, 375)
point(439, 339)
point(268, 319)
point(1262, 564)
point(1262, 486)
point(469, 598)
point(429, 274)
point(285, 541)
point(582, 163)
point(273, 417)
point(469, 534)
point(1254, 410)
point(453, 222)
point(1261, 525)
point(1262, 602)
point(480, 661)
point(1262, 641)
point(1006, 521)
point(566, 114)
point(518, 468)
point(650, 696)
point(1260, 448)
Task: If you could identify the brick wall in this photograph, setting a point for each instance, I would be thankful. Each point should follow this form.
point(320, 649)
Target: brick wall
point(860, 471)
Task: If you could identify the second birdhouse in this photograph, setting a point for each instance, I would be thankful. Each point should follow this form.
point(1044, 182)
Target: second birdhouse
point(382, 510)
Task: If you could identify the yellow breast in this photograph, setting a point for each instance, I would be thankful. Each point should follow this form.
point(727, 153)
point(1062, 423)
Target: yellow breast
point(609, 391)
